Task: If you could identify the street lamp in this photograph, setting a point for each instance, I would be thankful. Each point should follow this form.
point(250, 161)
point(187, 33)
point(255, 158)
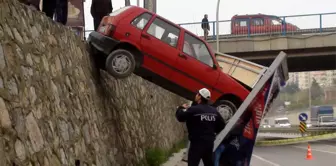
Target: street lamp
point(310, 84)
point(217, 25)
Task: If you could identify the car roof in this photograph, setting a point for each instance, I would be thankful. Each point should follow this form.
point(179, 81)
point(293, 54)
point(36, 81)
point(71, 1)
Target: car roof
point(252, 15)
point(163, 18)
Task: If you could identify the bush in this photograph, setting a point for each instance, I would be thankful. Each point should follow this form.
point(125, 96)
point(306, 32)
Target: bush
point(157, 156)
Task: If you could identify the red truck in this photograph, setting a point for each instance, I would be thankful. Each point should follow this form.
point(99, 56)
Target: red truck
point(259, 23)
point(135, 40)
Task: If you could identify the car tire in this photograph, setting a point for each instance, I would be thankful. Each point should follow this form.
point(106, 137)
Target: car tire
point(120, 63)
point(226, 108)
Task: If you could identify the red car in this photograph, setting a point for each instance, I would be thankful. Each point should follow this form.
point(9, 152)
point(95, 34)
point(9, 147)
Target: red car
point(259, 23)
point(135, 40)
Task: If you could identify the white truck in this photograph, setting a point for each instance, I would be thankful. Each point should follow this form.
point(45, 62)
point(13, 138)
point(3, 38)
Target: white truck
point(322, 116)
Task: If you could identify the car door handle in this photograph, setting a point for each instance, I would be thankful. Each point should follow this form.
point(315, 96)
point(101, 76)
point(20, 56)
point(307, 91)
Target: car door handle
point(182, 56)
point(145, 36)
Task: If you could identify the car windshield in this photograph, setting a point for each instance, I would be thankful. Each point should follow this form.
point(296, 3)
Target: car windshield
point(276, 21)
point(119, 11)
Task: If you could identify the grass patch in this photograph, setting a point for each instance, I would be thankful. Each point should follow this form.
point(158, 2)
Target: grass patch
point(157, 156)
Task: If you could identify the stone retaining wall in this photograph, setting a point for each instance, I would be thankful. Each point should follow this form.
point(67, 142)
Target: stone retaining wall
point(55, 108)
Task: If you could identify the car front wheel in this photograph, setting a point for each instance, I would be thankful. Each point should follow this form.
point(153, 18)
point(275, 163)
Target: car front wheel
point(120, 63)
point(226, 108)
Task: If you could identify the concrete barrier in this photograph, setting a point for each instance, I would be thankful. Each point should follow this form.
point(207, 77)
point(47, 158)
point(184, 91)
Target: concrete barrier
point(296, 140)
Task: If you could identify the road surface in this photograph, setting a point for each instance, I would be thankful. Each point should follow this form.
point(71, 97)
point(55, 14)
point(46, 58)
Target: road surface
point(324, 154)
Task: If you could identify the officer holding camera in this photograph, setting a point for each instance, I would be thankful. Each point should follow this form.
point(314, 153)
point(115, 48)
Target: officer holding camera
point(203, 123)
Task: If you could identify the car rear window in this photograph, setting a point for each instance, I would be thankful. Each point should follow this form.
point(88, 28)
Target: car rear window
point(119, 11)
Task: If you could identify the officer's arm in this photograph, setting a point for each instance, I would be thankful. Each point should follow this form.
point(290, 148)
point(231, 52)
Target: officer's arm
point(220, 123)
point(182, 115)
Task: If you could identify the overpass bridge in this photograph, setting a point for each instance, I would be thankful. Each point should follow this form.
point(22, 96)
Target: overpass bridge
point(311, 47)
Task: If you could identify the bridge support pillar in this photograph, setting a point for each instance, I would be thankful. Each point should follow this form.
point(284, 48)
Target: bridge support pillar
point(150, 5)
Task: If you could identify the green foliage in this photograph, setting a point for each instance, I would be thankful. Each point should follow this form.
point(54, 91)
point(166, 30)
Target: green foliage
point(300, 99)
point(157, 156)
point(291, 88)
point(316, 90)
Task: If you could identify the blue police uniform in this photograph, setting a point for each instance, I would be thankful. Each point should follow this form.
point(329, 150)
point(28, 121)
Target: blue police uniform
point(203, 123)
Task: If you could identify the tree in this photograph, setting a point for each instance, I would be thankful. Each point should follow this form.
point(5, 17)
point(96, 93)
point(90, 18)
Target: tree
point(291, 88)
point(316, 90)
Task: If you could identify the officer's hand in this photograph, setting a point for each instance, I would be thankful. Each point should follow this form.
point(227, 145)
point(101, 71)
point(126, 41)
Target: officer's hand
point(185, 106)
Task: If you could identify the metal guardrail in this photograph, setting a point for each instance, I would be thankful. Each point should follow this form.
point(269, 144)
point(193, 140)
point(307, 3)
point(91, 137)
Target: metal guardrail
point(303, 33)
point(318, 23)
point(295, 130)
point(286, 25)
point(296, 140)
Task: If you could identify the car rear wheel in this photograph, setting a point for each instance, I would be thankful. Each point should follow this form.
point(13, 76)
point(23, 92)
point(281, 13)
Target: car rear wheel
point(226, 108)
point(120, 63)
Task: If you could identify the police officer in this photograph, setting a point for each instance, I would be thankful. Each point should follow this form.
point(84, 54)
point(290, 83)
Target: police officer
point(203, 123)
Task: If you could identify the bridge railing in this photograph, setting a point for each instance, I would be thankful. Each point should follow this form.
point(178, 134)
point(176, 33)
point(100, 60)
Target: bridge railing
point(285, 25)
point(282, 25)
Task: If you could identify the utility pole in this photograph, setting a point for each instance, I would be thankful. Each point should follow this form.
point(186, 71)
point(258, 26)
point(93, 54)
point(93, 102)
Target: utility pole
point(150, 5)
point(138, 3)
point(309, 89)
point(127, 2)
point(217, 26)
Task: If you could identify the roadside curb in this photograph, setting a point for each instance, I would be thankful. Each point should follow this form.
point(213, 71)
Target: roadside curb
point(296, 140)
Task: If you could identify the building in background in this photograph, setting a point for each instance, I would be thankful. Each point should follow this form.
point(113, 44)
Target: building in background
point(293, 78)
point(323, 78)
point(330, 93)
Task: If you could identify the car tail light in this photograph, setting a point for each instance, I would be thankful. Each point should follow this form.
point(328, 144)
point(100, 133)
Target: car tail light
point(107, 30)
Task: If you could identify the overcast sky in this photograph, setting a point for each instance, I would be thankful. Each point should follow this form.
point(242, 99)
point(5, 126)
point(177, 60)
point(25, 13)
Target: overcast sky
point(182, 11)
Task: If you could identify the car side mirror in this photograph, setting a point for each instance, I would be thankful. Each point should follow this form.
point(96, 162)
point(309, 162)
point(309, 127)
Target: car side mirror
point(214, 66)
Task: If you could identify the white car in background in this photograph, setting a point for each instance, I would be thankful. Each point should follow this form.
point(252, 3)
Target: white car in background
point(282, 123)
point(266, 126)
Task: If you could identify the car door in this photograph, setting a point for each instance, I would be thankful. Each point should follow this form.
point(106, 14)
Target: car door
point(195, 65)
point(257, 26)
point(132, 28)
point(240, 26)
point(159, 43)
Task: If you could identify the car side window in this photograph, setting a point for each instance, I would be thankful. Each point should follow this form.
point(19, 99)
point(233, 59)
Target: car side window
point(198, 49)
point(141, 21)
point(243, 23)
point(276, 21)
point(188, 49)
point(164, 31)
point(257, 22)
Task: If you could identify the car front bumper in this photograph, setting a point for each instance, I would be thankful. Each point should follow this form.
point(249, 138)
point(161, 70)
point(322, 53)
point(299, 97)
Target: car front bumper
point(102, 43)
